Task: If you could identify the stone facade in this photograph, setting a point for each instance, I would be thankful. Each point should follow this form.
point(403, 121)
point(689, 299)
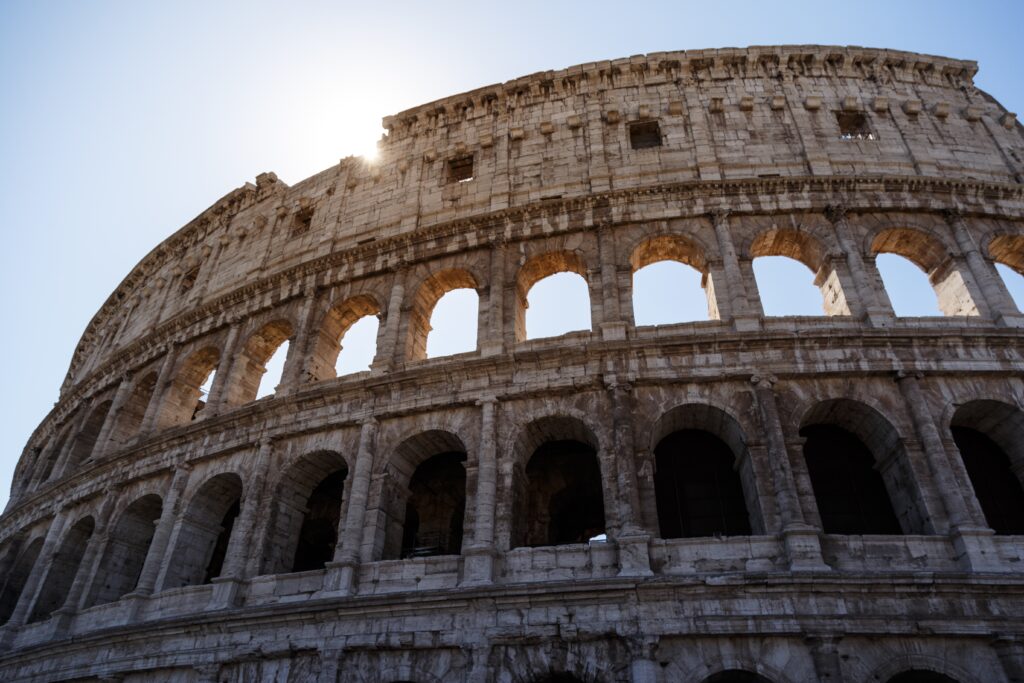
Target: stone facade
point(438, 510)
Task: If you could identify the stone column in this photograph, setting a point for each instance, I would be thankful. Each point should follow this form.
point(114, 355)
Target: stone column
point(169, 513)
point(1000, 306)
point(124, 391)
point(34, 582)
point(868, 304)
point(632, 540)
point(227, 586)
point(479, 564)
point(87, 567)
point(802, 543)
point(733, 287)
point(341, 572)
point(825, 654)
point(163, 381)
point(492, 343)
point(298, 349)
point(971, 538)
point(218, 398)
point(613, 327)
point(387, 347)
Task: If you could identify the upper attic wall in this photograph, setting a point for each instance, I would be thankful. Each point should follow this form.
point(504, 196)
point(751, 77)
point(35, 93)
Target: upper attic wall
point(721, 114)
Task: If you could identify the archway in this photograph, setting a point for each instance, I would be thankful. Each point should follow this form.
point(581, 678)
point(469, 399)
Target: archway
point(63, 569)
point(565, 283)
point(926, 252)
point(126, 551)
point(185, 398)
point(204, 532)
point(671, 283)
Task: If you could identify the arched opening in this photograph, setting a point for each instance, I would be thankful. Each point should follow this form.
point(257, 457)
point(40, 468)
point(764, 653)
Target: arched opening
point(558, 495)
point(793, 276)
point(552, 296)
point(859, 471)
point(449, 332)
point(308, 513)
point(14, 582)
point(128, 421)
point(53, 454)
point(736, 676)
point(186, 396)
point(921, 676)
point(907, 285)
point(251, 369)
point(426, 503)
point(204, 533)
point(671, 283)
point(85, 440)
point(849, 491)
point(1008, 253)
point(929, 255)
point(990, 438)
point(698, 490)
point(126, 551)
point(62, 570)
point(347, 341)
point(447, 299)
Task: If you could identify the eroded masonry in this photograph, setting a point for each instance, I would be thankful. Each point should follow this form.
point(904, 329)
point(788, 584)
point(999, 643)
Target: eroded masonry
point(745, 498)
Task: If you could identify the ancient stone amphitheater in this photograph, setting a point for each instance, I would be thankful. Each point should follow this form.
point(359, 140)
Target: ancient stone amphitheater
point(746, 498)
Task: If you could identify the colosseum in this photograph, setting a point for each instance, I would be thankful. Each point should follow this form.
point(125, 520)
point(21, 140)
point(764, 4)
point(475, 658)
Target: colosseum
point(746, 498)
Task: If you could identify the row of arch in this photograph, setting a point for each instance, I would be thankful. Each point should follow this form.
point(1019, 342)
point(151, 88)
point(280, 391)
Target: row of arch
point(704, 483)
point(154, 400)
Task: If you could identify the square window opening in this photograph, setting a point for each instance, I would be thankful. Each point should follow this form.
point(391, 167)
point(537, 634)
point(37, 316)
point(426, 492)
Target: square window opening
point(853, 126)
point(460, 169)
point(303, 222)
point(644, 135)
point(188, 280)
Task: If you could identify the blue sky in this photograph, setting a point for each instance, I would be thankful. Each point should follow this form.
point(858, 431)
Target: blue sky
point(121, 121)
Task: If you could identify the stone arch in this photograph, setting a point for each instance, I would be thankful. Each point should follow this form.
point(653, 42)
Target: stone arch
point(85, 441)
point(807, 248)
point(49, 462)
point(724, 470)
point(681, 249)
point(427, 294)
point(1008, 249)
point(63, 568)
point(308, 506)
point(932, 256)
point(336, 322)
point(249, 366)
point(849, 444)
point(536, 269)
point(14, 582)
point(896, 664)
point(129, 418)
point(203, 532)
point(921, 676)
point(989, 435)
point(184, 400)
point(424, 501)
point(126, 551)
point(557, 488)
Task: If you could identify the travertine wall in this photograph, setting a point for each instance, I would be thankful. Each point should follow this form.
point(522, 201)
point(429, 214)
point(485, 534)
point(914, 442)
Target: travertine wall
point(120, 495)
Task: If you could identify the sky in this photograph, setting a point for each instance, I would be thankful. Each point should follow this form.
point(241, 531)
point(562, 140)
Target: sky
point(121, 121)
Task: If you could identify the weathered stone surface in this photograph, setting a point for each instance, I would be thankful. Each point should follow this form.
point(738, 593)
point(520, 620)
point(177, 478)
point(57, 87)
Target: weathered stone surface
point(116, 558)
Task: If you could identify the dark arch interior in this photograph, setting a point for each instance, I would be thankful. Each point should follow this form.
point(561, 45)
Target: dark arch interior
point(436, 507)
point(14, 582)
point(698, 491)
point(921, 676)
point(126, 551)
point(996, 487)
point(220, 547)
point(736, 676)
point(318, 536)
point(63, 569)
point(849, 491)
point(563, 495)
